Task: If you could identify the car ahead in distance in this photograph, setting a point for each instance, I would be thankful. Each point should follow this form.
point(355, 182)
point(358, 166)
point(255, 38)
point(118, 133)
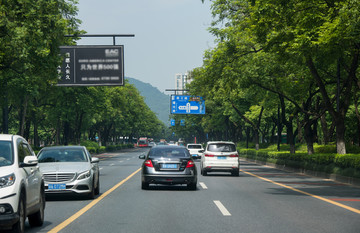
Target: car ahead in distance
point(21, 185)
point(196, 150)
point(69, 169)
point(168, 165)
point(220, 156)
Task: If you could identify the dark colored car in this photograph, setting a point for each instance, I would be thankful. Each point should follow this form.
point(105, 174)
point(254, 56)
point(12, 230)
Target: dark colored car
point(168, 165)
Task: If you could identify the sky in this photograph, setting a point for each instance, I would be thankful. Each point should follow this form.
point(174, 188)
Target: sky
point(171, 36)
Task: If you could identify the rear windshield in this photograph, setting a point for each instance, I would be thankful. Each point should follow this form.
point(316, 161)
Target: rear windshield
point(194, 146)
point(164, 152)
point(221, 147)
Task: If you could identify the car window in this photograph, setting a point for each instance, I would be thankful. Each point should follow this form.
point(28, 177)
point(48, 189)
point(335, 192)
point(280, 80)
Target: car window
point(23, 150)
point(62, 155)
point(169, 153)
point(6, 153)
point(221, 147)
point(194, 147)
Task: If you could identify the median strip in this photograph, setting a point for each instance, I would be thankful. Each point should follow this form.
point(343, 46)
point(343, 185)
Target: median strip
point(90, 205)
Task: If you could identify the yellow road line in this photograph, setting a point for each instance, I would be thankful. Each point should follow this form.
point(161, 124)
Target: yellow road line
point(306, 193)
point(90, 205)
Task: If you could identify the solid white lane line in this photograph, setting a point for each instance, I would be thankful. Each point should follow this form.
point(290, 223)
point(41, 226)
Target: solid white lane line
point(203, 185)
point(222, 208)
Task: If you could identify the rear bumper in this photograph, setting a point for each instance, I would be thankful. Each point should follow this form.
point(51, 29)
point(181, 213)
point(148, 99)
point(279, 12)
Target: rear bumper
point(168, 179)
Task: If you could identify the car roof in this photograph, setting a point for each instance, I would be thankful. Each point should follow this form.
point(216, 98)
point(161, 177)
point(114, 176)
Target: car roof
point(8, 137)
point(214, 142)
point(62, 147)
point(168, 147)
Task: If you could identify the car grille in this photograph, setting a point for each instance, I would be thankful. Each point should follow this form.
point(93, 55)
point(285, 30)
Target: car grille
point(59, 177)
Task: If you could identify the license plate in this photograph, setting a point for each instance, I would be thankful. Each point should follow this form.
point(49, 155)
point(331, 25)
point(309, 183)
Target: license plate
point(56, 186)
point(169, 166)
point(194, 155)
point(221, 157)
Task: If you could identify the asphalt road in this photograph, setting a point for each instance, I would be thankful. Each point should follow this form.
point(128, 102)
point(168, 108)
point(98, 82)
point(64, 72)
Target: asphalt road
point(262, 199)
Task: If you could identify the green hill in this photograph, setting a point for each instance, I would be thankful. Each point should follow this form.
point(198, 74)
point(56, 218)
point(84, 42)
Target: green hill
point(157, 101)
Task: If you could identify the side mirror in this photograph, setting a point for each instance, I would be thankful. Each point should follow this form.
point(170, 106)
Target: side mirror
point(29, 161)
point(95, 160)
point(142, 156)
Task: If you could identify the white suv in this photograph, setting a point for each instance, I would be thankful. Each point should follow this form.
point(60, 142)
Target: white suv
point(220, 156)
point(196, 150)
point(21, 185)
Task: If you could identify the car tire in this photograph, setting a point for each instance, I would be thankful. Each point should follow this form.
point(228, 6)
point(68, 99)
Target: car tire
point(91, 195)
point(144, 185)
point(203, 172)
point(19, 227)
point(37, 219)
point(191, 186)
point(97, 189)
point(235, 173)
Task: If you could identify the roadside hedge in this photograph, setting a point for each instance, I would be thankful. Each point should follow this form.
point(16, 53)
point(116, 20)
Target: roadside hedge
point(348, 164)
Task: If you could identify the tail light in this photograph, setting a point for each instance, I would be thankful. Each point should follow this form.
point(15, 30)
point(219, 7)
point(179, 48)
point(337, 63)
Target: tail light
point(190, 163)
point(148, 163)
point(234, 155)
point(209, 155)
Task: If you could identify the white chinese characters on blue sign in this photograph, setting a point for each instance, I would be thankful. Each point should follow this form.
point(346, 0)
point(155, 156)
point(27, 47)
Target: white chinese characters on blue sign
point(185, 104)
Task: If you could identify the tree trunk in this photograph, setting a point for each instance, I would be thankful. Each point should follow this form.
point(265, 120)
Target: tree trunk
point(340, 136)
point(5, 116)
point(36, 134)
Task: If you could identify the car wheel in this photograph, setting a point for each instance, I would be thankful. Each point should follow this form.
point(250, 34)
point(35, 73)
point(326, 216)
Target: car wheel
point(37, 219)
point(191, 186)
point(203, 172)
point(144, 185)
point(20, 225)
point(235, 173)
point(97, 189)
point(91, 195)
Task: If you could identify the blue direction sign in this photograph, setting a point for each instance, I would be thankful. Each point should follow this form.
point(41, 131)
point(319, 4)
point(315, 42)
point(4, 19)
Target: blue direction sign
point(172, 122)
point(185, 104)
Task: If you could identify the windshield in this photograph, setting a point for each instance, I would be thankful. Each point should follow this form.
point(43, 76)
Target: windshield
point(168, 153)
point(62, 155)
point(6, 154)
point(221, 147)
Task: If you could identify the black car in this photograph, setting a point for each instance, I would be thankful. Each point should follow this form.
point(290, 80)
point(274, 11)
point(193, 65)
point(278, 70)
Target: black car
point(168, 165)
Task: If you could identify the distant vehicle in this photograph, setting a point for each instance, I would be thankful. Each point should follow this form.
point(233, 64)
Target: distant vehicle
point(168, 165)
point(162, 143)
point(196, 150)
point(152, 144)
point(21, 185)
point(143, 142)
point(69, 169)
point(220, 156)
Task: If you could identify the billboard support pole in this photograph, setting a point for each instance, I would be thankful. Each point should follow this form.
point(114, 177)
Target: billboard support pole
point(103, 35)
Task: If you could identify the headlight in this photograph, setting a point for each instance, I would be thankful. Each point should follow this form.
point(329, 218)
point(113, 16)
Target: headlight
point(84, 175)
point(6, 181)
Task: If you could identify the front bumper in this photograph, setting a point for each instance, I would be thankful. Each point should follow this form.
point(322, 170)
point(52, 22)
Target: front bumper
point(77, 187)
point(8, 220)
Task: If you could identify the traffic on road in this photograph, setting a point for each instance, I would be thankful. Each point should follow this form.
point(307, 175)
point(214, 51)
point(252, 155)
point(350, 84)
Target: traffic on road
point(260, 199)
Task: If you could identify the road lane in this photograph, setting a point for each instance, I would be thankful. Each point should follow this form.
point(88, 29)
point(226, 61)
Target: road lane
point(255, 205)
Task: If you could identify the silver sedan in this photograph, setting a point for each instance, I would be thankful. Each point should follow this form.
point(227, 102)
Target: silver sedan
point(69, 169)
